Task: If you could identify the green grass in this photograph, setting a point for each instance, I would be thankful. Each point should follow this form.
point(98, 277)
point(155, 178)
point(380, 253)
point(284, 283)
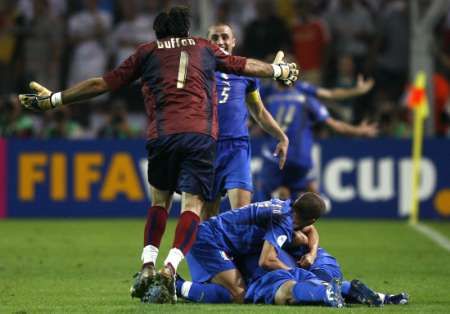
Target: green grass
point(85, 266)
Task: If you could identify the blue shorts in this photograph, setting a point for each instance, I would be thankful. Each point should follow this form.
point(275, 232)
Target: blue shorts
point(326, 267)
point(182, 163)
point(232, 166)
point(263, 289)
point(208, 256)
point(293, 176)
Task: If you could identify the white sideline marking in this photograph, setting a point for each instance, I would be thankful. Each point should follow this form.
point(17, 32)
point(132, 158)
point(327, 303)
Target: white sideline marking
point(438, 238)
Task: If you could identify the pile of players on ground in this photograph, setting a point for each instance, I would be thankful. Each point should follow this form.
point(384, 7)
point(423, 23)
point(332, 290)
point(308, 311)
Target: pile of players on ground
point(248, 255)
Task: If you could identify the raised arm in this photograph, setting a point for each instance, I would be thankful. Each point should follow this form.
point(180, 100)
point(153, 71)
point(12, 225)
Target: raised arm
point(313, 244)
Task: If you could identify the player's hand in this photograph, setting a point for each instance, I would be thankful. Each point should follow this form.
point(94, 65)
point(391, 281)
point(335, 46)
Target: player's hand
point(363, 86)
point(41, 101)
point(283, 71)
point(306, 260)
point(368, 129)
point(281, 152)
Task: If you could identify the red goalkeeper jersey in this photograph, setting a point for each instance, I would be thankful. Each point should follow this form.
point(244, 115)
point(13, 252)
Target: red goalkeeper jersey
point(178, 83)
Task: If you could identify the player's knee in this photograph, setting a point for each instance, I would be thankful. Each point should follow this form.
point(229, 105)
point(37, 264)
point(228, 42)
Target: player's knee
point(239, 198)
point(191, 202)
point(284, 295)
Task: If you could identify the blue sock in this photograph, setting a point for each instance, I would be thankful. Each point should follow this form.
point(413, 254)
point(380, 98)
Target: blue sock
point(203, 292)
point(345, 288)
point(310, 291)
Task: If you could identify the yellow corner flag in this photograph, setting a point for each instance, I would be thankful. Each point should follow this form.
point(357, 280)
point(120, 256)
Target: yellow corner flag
point(417, 101)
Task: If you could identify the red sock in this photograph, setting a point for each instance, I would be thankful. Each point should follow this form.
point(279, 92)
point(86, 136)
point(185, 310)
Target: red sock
point(186, 231)
point(155, 225)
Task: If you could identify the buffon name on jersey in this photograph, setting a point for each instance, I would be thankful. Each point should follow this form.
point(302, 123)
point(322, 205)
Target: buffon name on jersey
point(175, 42)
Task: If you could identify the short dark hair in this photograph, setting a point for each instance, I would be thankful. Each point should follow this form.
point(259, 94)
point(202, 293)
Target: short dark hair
point(175, 23)
point(220, 24)
point(309, 206)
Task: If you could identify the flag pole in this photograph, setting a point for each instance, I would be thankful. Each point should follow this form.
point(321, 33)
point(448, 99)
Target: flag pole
point(420, 108)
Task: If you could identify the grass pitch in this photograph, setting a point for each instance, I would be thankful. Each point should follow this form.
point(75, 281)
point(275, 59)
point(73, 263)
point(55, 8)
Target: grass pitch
point(85, 266)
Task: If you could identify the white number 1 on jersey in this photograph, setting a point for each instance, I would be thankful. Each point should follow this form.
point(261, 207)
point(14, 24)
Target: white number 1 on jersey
point(182, 69)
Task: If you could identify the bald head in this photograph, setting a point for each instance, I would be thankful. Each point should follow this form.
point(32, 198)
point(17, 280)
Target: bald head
point(222, 35)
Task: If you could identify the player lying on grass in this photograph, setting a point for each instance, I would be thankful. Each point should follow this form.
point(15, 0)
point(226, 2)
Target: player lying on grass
point(319, 283)
point(177, 76)
point(256, 228)
point(325, 267)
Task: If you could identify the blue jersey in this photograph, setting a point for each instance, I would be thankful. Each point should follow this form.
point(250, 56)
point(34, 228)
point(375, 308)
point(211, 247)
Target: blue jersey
point(243, 231)
point(232, 110)
point(296, 111)
point(306, 88)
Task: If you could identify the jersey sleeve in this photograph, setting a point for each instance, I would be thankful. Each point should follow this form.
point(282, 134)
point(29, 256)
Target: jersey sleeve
point(317, 111)
point(227, 63)
point(306, 88)
point(252, 85)
point(127, 72)
point(280, 228)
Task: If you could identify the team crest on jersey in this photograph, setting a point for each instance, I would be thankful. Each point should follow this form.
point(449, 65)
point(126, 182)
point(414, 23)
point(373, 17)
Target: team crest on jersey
point(281, 239)
point(225, 256)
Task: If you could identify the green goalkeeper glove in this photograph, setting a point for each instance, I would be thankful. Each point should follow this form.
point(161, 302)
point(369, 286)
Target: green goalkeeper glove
point(43, 100)
point(283, 71)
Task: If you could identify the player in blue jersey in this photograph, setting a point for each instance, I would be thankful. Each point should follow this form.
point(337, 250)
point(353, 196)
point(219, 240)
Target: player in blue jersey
point(326, 268)
point(297, 110)
point(319, 283)
point(236, 96)
point(259, 228)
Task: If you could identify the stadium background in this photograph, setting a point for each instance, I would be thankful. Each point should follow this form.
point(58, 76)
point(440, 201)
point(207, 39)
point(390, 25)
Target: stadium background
point(88, 160)
point(56, 43)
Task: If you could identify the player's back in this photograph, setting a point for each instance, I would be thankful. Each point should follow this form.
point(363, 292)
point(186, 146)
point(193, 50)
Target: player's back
point(243, 230)
point(296, 112)
point(178, 83)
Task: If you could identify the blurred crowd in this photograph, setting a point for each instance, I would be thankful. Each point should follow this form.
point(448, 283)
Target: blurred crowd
point(61, 42)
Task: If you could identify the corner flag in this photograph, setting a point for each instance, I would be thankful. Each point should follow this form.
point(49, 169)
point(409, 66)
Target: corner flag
point(417, 101)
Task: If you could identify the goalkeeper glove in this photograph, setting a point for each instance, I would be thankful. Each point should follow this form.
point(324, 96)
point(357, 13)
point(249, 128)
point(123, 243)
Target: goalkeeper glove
point(43, 100)
point(283, 71)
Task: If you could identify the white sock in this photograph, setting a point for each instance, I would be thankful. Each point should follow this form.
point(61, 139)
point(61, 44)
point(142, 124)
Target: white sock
point(185, 288)
point(149, 254)
point(382, 296)
point(174, 258)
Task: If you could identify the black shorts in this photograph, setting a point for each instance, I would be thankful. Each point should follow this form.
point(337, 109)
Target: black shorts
point(183, 163)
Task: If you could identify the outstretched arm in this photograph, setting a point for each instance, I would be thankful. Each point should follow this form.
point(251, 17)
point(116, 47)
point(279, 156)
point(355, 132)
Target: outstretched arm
point(364, 129)
point(85, 90)
point(258, 68)
point(44, 99)
point(268, 124)
point(361, 88)
point(281, 70)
